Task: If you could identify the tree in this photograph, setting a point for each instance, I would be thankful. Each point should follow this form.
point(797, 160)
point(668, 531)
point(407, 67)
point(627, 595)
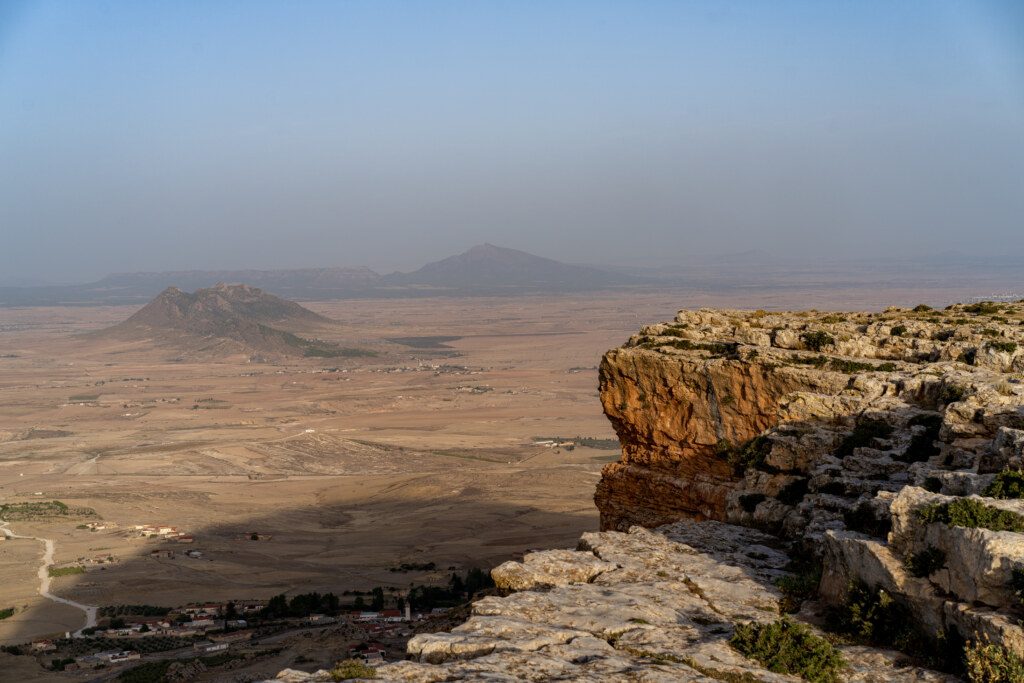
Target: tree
point(378, 599)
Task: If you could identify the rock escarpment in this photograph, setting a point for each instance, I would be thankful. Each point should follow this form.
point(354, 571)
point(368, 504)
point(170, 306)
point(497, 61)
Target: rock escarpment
point(830, 430)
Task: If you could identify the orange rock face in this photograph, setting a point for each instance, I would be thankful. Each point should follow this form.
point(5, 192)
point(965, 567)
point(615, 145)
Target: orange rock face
point(672, 413)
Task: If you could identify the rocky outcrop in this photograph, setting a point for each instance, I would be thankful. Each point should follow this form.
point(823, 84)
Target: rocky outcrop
point(828, 430)
point(688, 398)
point(662, 609)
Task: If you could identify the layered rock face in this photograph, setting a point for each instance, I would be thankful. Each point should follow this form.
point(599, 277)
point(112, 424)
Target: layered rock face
point(829, 430)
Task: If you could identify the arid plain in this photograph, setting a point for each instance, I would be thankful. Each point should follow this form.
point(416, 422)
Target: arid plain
point(344, 468)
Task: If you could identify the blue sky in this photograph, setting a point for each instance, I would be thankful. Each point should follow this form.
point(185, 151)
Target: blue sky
point(158, 135)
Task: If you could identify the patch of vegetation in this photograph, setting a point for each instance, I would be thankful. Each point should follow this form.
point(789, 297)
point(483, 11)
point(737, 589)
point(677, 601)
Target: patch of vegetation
point(921, 308)
point(870, 616)
point(133, 610)
point(971, 514)
point(793, 492)
point(922, 443)
point(816, 361)
point(1004, 346)
point(717, 349)
point(751, 454)
point(787, 647)
point(898, 331)
point(19, 512)
point(926, 562)
point(989, 663)
point(864, 434)
point(585, 442)
point(1007, 484)
point(301, 605)
point(750, 501)
point(951, 393)
point(817, 340)
point(943, 335)
point(414, 567)
point(982, 308)
point(352, 668)
point(799, 586)
point(6, 613)
point(65, 571)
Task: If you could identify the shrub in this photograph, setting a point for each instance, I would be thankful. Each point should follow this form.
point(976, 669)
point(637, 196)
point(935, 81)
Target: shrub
point(951, 393)
point(352, 668)
point(990, 663)
point(1006, 347)
point(971, 514)
point(6, 613)
point(65, 571)
point(864, 434)
point(801, 585)
point(898, 331)
point(787, 647)
point(817, 340)
point(1007, 484)
point(982, 308)
point(921, 308)
point(751, 454)
point(926, 562)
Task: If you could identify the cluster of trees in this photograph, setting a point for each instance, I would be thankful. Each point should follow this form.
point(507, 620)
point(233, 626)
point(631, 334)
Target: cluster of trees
point(459, 589)
point(301, 605)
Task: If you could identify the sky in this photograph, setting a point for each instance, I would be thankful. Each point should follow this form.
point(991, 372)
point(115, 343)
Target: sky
point(140, 136)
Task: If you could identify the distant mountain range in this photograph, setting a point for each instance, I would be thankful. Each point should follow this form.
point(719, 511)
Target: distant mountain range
point(483, 270)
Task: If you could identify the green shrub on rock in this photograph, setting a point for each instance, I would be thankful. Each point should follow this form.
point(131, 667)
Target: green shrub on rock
point(352, 668)
point(787, 647)
point(1007, 484)
point(816, 341)
point(926, 562)
point(971, 514)
point(988, 663)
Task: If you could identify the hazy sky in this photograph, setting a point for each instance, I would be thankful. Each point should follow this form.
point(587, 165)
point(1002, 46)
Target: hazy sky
point(174, 135)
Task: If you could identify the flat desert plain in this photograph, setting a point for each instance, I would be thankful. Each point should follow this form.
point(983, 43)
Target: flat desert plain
point(342, 468)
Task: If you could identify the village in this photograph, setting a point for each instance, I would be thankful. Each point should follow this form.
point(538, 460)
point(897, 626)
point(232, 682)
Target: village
point(222, 633)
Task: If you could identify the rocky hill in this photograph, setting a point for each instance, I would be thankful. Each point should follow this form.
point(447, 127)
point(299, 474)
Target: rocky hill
point(858, 471)
point(225, 318)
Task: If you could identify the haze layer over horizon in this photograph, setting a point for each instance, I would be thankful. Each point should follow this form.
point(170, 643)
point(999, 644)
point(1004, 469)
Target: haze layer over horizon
point(159, 136)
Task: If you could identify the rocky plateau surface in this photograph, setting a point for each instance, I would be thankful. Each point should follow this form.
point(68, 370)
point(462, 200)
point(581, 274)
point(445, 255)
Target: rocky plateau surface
point(860, 470)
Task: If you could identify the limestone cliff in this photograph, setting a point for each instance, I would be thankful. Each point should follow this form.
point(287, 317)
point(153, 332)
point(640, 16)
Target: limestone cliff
point(830, 429)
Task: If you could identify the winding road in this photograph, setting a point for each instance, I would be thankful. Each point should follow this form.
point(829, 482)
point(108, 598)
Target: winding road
point(44, 577)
